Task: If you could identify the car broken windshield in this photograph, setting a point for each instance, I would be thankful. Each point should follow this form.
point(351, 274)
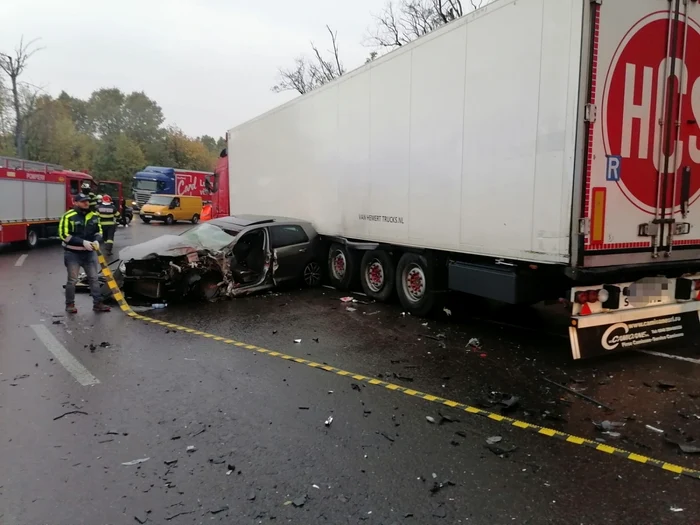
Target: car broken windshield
point(209, 236)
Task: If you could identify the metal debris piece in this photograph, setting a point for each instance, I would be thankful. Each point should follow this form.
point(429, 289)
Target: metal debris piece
point(430, 419)
point(178, 515)
point(135, 462)
point(69, 413)
point(299, 502)
point(688, 448)
point(654, 429)
point(579, 394)
point(297, 341)
point(493, 440)
point(219, 510)
point(387, 436)
point(191, 448)
point(328, 421)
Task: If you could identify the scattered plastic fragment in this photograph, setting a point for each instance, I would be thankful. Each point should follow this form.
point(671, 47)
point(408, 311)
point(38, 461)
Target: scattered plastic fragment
point(493, 440)
point(351, 309)
point(447, 419)
point(387, 436)
point(437, 487)
point(251, 496)
point(299, 502)
point(501, 451)
point(666, 385)
point(328, 421)
point(510, 403)
point(654, 429)
point(347, 299)
point(297, 341)
point(447, 311)
point(135, 462)
point(315, 486)
point(430, 419)
point(170, 461)
point(579, 394)
point(608, 425)
point(474, 343)
point(355, 386)
point(71, 412)
point(104, 344)
point(677, 509)
point(219, 510)
point(191, 448)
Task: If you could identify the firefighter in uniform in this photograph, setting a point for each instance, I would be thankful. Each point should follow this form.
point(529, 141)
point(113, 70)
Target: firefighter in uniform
point(80, 233)
point(109, 215)
point(87, 190)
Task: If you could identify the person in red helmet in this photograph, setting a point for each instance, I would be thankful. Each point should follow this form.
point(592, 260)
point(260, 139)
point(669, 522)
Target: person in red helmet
point(109, 213)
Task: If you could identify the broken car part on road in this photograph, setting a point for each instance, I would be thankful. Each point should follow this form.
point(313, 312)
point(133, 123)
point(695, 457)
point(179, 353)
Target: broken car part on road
point(543, 431)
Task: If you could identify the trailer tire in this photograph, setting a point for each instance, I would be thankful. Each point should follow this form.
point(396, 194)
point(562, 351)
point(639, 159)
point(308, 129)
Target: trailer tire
point(415, 284)
point(341, 266)
point(377, 275)
point(169, 220)
point(32, 239)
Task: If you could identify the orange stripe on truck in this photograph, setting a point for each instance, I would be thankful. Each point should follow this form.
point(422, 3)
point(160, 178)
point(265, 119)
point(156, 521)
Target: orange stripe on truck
point(598, 215)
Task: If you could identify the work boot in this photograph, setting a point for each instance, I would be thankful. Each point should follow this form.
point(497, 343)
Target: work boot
point(101, 307)
point(71, 309)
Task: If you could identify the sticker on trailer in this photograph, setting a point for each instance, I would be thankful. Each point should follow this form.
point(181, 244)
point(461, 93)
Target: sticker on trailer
point(633, 107)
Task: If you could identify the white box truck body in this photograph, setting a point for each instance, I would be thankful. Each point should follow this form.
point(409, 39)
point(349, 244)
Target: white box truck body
point(529, 146)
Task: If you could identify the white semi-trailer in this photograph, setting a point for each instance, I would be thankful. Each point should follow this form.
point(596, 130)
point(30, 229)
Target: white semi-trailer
point(531, 150)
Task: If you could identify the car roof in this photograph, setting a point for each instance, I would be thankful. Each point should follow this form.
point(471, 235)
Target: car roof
point(243, 221)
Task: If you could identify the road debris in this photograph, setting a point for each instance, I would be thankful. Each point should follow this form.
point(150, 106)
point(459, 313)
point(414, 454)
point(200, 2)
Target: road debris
point(347, 300)
point(178, 515)
point(430, 419)
point(608, 425)
point(105, 344)
point(437, 487)
point(351, 309)
point(666, 385)
point(509, 403)
point(579, 394)
point(440, 512)
point(251, 496)
point(501, 451)
point(297, 341)
point(343, 499)
point(677, 509)
point(191, 448)
point(299, 502)
point(387, 436)
point(446, 419)
point(447, 311)
point(690, 447)
point(474, 343)
point(355, 386)
point(141, 521)
point(135, 462)
point(328, 421)
point(69, 413)
point(170, 461)
point(315, 486)
point(493, 440)
point(219, 510)
point(654, 429)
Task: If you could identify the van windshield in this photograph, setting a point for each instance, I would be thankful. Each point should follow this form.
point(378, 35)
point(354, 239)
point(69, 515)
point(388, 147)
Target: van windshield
point(160, 200)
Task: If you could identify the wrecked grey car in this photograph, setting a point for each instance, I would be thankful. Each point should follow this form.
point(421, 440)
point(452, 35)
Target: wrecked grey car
point(224, 257)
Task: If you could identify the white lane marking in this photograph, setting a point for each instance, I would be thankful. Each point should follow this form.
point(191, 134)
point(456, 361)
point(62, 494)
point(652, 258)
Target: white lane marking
point(671, 356)
point(21, 259)
point(81, 374)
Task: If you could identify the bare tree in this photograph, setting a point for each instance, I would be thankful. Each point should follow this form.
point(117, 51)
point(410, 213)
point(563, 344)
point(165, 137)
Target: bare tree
point(402, 21)
point(309, 73)
point(14, 66)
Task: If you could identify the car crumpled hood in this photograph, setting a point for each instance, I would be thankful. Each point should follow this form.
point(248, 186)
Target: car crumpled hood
point(166, 246)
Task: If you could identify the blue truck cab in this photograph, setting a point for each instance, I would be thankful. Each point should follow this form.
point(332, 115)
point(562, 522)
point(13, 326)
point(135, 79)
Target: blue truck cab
point(153, 179)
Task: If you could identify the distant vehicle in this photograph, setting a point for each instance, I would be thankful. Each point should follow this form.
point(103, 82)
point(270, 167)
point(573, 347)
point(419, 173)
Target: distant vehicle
point(128, 214)
point(561, 162)
point(170, 181)
point(34, 195)
point(172, 208)
point(225, 257)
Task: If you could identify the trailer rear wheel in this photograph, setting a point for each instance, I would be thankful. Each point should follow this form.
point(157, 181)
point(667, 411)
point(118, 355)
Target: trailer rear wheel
point(341, 266)
point(377, 274)
point(32, 239)
point(415, 284)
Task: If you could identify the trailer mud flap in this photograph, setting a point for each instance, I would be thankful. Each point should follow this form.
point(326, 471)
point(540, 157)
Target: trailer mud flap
point(606, 333)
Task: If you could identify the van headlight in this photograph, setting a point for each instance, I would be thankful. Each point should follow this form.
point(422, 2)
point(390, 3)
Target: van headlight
point(157, 213)
point(122, 267)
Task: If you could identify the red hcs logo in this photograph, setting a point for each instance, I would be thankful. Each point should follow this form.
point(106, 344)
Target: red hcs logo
point(633, 104)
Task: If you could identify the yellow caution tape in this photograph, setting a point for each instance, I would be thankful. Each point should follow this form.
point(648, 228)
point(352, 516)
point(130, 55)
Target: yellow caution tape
point(542, 431)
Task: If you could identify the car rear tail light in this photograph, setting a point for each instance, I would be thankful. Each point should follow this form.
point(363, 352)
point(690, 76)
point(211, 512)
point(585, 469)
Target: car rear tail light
point(592, 296)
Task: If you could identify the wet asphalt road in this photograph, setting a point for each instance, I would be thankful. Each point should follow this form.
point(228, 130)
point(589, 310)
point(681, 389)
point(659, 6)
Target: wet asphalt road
point(263, 454)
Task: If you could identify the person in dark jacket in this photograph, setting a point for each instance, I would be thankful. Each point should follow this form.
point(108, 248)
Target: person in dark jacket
point(81, 233)
point(109, 215)
point(87, 190)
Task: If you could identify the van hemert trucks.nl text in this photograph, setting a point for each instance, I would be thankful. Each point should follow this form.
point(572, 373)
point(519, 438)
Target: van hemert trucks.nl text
point(531, 150)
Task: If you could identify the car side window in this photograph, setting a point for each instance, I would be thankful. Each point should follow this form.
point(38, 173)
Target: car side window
point(176, 203)
point(281, 236)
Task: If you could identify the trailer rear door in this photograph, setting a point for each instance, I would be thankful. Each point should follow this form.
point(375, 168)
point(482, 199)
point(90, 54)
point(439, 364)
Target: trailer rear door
point(642, 172)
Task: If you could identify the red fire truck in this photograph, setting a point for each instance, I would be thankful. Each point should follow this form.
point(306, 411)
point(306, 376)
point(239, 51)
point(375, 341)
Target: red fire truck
point(34, 195)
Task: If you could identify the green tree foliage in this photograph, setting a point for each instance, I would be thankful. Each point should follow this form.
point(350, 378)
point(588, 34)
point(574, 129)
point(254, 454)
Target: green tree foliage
point(118, 157)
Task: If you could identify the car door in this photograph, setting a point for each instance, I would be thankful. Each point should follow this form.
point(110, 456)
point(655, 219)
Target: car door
point(290, 247)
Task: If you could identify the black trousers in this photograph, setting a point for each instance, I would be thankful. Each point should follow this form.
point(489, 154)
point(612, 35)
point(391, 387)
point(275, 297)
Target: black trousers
point(108, 236)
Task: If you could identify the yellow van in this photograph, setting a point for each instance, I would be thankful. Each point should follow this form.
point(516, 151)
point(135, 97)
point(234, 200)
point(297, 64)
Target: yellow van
point(172, 208)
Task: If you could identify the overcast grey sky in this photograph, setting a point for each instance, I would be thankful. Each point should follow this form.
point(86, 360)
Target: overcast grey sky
point(209, 63)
